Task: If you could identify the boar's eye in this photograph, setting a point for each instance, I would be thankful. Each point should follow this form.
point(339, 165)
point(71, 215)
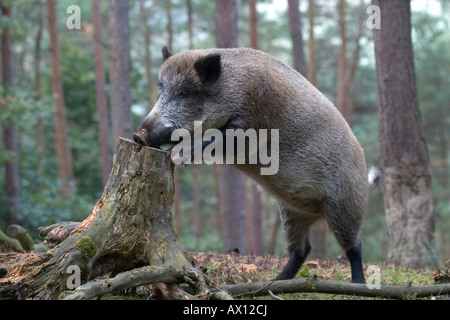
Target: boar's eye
point(184, 93)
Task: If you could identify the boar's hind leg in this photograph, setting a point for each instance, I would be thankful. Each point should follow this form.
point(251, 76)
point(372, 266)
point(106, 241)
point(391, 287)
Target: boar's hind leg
point(346, 227)
point(296, 230)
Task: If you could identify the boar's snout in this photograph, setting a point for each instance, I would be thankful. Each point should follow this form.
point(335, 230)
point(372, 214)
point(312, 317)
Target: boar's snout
point(138, 138)
point(155, 138)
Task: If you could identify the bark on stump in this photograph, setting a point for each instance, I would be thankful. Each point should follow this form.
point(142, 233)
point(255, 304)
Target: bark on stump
point(129, 227)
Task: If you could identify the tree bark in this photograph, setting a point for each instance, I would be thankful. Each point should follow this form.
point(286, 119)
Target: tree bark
point(342, 90)
point(10, 134)
point(312, 61)
point(256, 221)
point(407, 179)
point(168, 7)
point(317, 234)
point(40, 141)
point(102, 106)
point(197, 205)
point(129, 227)
point(253, 23)
point(119, 69)
point(295, 27)
point(190, 24)
point(350, 75)
point(256, 207)
point(63, 153)
point(226, 24)
point(232, 211)
point(147, 35)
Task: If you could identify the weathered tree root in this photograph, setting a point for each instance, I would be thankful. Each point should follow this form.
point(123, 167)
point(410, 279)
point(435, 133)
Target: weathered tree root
point(334, 287)
point(130, 227)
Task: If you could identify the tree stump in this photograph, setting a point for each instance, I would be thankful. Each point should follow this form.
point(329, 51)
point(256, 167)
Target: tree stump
point(129, 227)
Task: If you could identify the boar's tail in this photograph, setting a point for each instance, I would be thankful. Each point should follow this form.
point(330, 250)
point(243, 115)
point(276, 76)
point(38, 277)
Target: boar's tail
point(374, 176)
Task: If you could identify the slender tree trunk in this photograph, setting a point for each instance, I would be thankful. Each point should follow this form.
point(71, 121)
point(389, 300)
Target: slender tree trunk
point(350, 75)
point(312, 67)
point(342, 90)
point(197, 205)
point(318, 235)
point(407, 179)
point(218, 204)
point(102, 106)
point(119, 69)
point(147, 34)
point(253, 24)
point(226, 24)
point(169, 25)
point(295, 27)
point(248, 216)
point(10, 134)
point(232, 211)
point(256, 221)
point(40, 143)
point(255, 210)
point(190, 24)
point(63, 152)
point(274, 235)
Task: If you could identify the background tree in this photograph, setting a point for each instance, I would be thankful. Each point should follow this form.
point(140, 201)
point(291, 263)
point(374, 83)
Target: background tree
point(342, 91)
point(63, 152)
point(232, 209)
point(119, 69)
point(102, 105)
point(312, 61)
point(253, 198)
point(10, 134)
point(407, 177)
point(295, 27)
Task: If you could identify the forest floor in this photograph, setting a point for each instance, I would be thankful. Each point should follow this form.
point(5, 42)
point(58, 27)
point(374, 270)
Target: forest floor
point(236, 268)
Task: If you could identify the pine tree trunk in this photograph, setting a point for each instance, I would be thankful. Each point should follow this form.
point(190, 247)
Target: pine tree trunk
point(232, 211)
point(226, 24)
point(119, 69)
point(253, 24)
point(147, 35)
point(408, 191)
point(256, 207)
point(40, 141)
point(129, 227)
point(342, 89)
point(197, 205)
point(168, 8)
point(190, 24)
point(102, 106)
point(10, 134)
point(312, 62)
point(63, 152)
point(295, 27)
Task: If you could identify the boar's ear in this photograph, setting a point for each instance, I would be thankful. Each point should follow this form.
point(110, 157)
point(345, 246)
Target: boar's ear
point(166, 53)
point(208, 69)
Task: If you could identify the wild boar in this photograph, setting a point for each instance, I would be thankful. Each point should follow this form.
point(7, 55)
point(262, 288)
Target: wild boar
point(321, 170)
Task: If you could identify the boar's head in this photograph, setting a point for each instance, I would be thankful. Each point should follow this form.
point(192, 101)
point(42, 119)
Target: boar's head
point(191, 89)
